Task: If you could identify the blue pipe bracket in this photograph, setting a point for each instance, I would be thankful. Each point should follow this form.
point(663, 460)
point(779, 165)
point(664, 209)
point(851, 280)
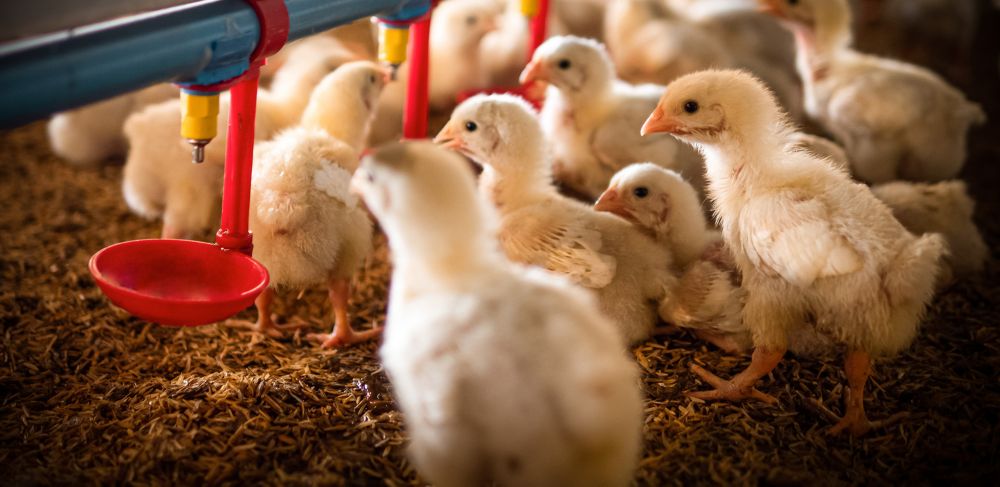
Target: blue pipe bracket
point(193, 43)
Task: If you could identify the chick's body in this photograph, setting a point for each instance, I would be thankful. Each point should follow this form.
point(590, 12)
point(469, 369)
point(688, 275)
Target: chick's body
point(627, 270)
point(505, 376)
point(308, 229)
point(809, 242)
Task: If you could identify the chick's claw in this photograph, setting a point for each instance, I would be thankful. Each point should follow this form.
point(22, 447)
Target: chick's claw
point(727, 389)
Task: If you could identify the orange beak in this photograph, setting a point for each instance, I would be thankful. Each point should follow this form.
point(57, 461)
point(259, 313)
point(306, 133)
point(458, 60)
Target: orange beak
point(386, 74)
point(661, 122)
point(534, 71)
point(449, 138)
point(611, 202)
point(772, 7)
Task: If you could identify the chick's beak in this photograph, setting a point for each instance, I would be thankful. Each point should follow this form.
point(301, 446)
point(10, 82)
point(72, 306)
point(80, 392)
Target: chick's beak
point(387, 74)
point(661, 122)
point(449, 138)
point(534, 71)
point(611, 202)
point(772, 7)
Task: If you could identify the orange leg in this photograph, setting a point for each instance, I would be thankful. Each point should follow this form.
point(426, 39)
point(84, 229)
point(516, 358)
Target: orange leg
point(742, 385)
point(857, 366)
point(342, 334)
point(265, 324)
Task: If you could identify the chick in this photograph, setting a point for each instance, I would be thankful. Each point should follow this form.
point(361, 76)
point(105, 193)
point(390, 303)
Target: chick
point(627, 270)
point(707, 299)
point(807, 240)
point(649, 44)
point(591, 117)
point(896, 120)
point(93, 133)
point(307, 228)
point(943, 208)
point(505, 375)
point(159, 179)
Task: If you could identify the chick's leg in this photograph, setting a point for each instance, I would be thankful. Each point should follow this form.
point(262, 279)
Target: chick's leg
point(265, 324)
point(857, 366)
point(742, 385)
point(342, 334)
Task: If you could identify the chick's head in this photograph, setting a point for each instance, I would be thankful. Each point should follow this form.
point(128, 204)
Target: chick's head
point(495, 131)
point(422, 195)
point(353, 86)
point(711, 107)
point(465, 22)
point(808, 14)
point(572, 64)
point(653, 198)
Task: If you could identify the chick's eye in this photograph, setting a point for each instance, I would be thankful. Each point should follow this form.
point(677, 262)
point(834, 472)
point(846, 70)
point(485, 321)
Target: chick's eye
point(471, 20)
point(640, 192)
point(691, 106)
point(371, 79)
point(370, 177)
point(471, 126)
point(793, 2)
point(564, 64)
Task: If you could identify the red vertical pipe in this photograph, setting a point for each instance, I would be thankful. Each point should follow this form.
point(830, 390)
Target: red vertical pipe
point(415, 109)
point(539, 25)
point(234, 233)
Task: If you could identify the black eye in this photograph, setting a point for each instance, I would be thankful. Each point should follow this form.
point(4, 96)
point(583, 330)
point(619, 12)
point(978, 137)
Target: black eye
point(371, 177)
point(470, 20)
point(564, 64)
point(691, 106)
point(793, 2)
point(471, 126)
point(640, 192)
point(371, 79)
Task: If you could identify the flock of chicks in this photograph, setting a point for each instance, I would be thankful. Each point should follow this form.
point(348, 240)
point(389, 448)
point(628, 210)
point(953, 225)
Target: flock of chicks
point(804, 258)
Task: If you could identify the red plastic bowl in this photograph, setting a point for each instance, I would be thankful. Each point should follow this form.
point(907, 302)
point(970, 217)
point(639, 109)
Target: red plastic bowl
point(178, 282)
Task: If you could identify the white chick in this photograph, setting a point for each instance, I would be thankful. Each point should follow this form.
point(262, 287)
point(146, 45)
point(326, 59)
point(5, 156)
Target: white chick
point(707, 299)
point(159, 178)
point(627, 270)
point(591, 117)
point(93, 133)
point(505, 375)
point(943, 208)
point(896, 120)
point(808, 241)
point(307, 228)
point(649, 44)
point(457, 28)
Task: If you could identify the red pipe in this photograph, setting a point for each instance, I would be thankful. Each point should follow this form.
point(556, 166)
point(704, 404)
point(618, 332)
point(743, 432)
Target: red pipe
point(415, 109)
point(234, 232)
point(539, 26)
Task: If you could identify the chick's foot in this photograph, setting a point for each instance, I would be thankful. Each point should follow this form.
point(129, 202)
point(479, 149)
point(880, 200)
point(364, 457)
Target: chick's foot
point(857, 365)
point(742, 386)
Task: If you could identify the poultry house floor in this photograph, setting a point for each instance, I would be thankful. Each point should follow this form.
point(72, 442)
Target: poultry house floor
point(92, 394)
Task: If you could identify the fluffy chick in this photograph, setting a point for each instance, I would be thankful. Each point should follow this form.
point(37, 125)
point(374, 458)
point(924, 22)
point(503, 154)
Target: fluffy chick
point(159, 179)
point(896, 120)
point(708, 298)
point(91, 134)
point(649, 44)
point(591, 117)
point(307, 228)
point(627, 270)
point(808, 241)
point(943, 208)
point(505, 375)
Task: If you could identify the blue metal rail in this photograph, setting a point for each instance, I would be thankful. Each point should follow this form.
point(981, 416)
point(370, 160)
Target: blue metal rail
point(64, 70)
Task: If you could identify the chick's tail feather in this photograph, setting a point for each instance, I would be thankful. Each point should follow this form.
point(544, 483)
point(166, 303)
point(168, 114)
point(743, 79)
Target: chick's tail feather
point(915, 270)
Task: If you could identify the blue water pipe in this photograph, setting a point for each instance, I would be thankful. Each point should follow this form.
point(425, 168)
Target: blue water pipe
point(201, 42)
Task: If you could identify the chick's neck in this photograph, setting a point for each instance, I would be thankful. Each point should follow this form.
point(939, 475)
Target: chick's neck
point(817, 46)
point(451, 262)
point(525, 178)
